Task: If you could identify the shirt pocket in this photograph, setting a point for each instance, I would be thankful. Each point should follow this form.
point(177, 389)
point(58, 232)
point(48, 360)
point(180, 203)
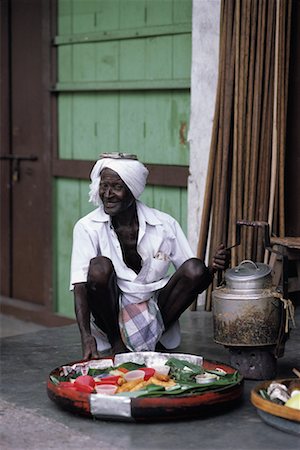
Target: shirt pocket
point(153, 270)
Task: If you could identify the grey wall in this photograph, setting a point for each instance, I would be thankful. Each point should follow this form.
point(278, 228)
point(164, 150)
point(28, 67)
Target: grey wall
point(204, 73)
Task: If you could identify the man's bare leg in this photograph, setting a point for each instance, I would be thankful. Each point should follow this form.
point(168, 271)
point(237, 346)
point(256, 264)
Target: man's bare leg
point(192, 278)
point(103, 300)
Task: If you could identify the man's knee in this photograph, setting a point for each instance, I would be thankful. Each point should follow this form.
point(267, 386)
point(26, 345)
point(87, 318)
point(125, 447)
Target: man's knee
point(100, 271)
point(194, 270)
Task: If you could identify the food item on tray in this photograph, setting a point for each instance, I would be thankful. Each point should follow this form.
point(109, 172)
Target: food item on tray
point(169, 376)
point(283, 393)
point(293, 402)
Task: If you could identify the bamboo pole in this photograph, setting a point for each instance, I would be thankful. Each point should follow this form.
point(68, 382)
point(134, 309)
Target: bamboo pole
point(249, 115)
point(236, 122)
point(257, 107)
point(264, 154)
point(281, 127)
point(285, 30)
point(243, 81)
point(287, 5)
point(218, 186)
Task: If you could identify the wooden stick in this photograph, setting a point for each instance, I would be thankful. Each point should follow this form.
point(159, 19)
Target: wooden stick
point(281, 125)
point(228, 17)
point(249, 116)
point(264, 153)
point(296, 372)
point(236, 123)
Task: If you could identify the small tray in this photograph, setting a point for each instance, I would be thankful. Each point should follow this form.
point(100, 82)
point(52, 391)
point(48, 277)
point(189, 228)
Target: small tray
point(279, 416)
point(148, 408)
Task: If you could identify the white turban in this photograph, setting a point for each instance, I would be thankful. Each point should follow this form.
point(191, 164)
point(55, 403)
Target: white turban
point(131, 171)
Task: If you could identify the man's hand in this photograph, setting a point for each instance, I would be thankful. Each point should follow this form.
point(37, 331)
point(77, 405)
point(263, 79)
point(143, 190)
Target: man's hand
point(89, 347)
point(220, 260)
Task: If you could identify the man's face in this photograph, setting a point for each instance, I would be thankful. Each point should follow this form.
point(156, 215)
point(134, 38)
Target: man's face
point(114, 193)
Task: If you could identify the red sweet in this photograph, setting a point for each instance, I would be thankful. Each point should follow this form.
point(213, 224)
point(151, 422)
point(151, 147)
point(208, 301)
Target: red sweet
point(85, 380)
point(149, 372)
point(113, 379)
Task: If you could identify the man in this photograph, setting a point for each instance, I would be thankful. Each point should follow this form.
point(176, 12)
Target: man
point(124, 298)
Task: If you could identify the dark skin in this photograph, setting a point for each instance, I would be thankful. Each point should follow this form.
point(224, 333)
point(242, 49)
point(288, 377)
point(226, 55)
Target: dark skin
point(100, 294)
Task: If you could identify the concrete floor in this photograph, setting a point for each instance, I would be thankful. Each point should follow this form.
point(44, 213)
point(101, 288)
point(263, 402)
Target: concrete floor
point(29, 420)
point(10, 326)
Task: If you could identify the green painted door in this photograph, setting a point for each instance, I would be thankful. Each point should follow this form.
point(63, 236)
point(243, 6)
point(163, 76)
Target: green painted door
point(123, 85)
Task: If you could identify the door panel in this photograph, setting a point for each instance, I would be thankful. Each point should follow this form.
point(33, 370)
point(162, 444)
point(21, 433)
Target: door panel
point(29, 186)
point(123, 85)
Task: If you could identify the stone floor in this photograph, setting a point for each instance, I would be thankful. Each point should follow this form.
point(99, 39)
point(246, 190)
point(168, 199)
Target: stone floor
point(29, 420)
point(10, 326)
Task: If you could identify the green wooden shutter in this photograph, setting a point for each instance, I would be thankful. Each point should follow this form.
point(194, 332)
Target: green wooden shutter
point(123, 85)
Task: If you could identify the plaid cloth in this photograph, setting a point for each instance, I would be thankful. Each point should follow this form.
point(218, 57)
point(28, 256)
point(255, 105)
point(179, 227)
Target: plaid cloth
point(141, 323)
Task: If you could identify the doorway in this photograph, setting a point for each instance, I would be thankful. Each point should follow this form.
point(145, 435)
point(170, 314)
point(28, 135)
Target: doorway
point(26, 222)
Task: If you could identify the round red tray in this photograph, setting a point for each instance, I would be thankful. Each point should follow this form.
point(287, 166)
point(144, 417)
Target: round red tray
point(151, 408)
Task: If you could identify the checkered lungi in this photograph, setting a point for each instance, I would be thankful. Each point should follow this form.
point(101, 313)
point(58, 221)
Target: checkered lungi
point(141, 324)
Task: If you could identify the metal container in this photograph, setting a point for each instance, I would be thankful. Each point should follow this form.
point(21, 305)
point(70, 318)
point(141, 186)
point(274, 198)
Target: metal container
point(245, 312)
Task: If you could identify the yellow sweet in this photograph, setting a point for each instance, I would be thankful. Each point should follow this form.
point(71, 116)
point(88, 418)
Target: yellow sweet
point(293, 402)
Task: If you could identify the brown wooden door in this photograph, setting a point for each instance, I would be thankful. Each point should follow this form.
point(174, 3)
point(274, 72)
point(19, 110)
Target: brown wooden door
point(25, 151)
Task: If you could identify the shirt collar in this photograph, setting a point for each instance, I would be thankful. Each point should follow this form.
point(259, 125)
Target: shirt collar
point(147, 214)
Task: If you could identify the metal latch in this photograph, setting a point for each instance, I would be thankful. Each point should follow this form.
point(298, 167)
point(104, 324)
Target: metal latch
point(16, 159)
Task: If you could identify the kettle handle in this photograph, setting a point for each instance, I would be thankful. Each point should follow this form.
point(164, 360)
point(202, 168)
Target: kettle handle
point(248, 223)
point(244, 262)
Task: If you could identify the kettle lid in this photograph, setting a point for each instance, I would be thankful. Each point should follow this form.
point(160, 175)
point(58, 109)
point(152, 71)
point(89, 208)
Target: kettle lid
point(248, 270)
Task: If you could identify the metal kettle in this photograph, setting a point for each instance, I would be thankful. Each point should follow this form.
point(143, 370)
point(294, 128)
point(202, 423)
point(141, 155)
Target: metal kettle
point(245, 312)
point(248, 317)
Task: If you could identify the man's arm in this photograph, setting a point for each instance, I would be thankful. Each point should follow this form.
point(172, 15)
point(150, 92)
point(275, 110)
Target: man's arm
point(82, 311)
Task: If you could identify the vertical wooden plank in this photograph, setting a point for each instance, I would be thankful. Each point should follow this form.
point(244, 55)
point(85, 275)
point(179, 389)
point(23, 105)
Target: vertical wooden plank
point(84, 67)
point(167, 199)
point(84, 16)
point(158, 58)
point(158, 126)
point(106, 123)
point(182, 11)
point(159, 12)
point(180, 109)
point(96, 61)
point(107, 15)
point(132, 124)
point(84, 126)
point(65, 63)
point(107, 61)
point(147, 196)
point(64, 19)
point(65, 128)
point(166, 116)
point(132, 59)
point(182, 56)
point(67, 201)
point(132, 14)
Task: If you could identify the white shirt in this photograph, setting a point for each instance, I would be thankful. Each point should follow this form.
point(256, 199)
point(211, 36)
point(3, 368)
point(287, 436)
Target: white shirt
point(161, 241)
